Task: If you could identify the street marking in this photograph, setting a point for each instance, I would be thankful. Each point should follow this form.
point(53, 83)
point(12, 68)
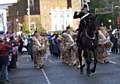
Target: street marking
point(46, 77)
point(51, 61)
point(113, 62)
point(56, 61)
point(59, 61)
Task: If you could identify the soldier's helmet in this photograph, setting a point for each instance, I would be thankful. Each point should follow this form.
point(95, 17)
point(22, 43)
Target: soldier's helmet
point(85, 8)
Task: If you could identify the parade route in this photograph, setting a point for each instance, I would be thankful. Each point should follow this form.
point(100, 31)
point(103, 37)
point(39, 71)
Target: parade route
point(56, 72)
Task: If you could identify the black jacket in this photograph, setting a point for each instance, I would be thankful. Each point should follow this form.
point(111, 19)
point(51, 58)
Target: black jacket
point(83, 22)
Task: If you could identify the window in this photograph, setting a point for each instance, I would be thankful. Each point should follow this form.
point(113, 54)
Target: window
point(69, 4)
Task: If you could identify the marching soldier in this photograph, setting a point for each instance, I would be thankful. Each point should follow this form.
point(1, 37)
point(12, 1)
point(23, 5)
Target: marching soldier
point(104, 43)
point(68, 43)
point(36, 48)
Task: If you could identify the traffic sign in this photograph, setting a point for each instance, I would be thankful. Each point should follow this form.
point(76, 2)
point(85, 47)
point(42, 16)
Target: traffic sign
point(106, 10)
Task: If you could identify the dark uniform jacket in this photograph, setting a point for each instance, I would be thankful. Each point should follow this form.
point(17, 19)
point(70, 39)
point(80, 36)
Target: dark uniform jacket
point(83, 22)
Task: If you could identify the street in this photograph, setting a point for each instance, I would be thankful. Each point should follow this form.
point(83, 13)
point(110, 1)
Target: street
point(63, 26)
point(56, 72)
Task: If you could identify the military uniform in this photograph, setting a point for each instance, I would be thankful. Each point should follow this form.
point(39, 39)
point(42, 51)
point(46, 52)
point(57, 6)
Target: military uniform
point(37, 53)
point(67, 54)
point(102, 51)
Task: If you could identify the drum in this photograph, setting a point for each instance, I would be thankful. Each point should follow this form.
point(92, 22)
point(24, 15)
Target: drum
point(108, 44)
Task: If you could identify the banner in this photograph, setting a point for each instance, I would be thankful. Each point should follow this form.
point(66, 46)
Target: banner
point(106, 10)
point(60, 19)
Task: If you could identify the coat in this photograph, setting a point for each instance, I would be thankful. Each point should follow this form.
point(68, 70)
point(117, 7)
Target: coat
point(82, 24)
point(83, 21)
point(4, 52)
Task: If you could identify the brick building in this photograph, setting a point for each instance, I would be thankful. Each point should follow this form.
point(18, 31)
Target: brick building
point(40, 14)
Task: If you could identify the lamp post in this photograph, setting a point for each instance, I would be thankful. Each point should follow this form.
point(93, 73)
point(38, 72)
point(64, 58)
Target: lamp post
point(110, 26)
point(28, 12)
point(113, 14)
point(17, 26)
point(45, 16)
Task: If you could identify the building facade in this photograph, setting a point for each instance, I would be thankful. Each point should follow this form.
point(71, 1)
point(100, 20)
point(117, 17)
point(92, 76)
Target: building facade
point(40, 13)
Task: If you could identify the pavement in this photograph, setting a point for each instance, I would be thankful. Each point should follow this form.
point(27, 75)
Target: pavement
point(56, 72)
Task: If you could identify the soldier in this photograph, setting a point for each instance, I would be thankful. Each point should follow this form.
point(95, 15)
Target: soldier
point(37, 58)
point(74, 49)
point(68, 42)
point(103, 41)
point(83, 15)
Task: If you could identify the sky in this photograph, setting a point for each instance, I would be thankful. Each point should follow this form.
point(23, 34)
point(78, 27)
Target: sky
point(5, 3)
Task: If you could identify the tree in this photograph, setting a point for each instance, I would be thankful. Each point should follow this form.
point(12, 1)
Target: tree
point(106, 17)
point(25, 28)
point(40, 29)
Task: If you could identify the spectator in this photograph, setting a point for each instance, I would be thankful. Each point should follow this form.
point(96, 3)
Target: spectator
point(20, 45)
point(13, 52)
point(29, 46)
point(4, 59)
point(114, 40)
